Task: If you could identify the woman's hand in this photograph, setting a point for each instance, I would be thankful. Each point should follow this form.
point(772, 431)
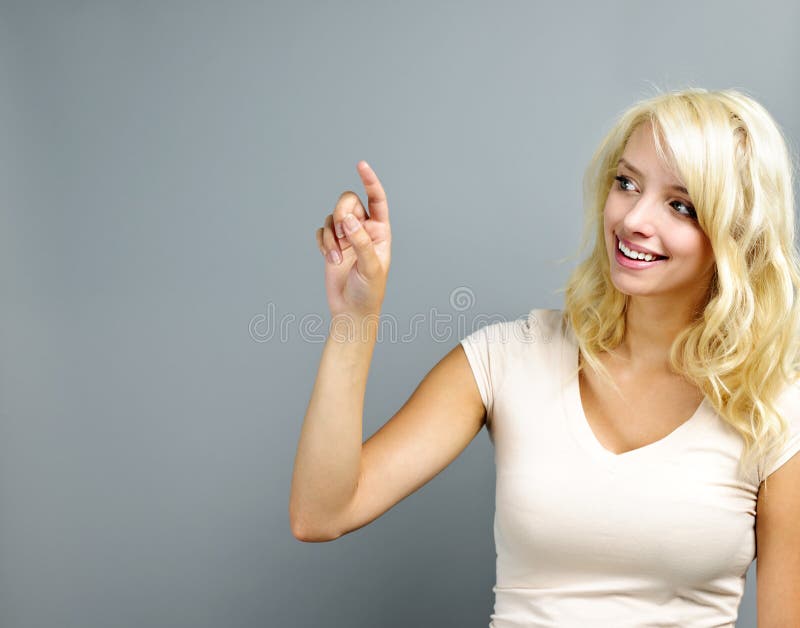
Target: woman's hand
point(356, 285)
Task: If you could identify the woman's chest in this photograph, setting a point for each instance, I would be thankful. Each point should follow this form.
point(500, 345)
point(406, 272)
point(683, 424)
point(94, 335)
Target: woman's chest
point(562, 526)
point(641, 413)
point(565, 506)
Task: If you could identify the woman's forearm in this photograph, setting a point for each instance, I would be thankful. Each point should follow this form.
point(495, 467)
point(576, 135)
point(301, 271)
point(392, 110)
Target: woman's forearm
point(328, 459)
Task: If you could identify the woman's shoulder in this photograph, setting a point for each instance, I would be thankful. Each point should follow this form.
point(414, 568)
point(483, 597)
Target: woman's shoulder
point(538, 326)
point(788, 400)
point(788, 407)
point(544, 324)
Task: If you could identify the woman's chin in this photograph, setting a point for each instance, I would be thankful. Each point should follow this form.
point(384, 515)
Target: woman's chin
point(625, 287)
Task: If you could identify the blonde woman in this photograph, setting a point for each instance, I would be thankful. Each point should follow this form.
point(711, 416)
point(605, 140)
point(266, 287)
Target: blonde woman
point(634, 430)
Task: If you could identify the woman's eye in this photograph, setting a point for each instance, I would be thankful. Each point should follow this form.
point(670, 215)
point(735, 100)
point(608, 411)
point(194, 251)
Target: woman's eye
point(682, 208)
point(624, 182)
point(688, 208)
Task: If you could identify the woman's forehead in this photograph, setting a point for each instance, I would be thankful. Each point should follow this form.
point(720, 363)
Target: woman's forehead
point(640, 153)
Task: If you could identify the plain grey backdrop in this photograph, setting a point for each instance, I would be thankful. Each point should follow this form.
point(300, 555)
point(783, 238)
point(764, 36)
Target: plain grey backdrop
point(164, 166)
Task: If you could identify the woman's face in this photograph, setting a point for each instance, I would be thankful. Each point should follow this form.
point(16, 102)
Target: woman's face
point(648, 212)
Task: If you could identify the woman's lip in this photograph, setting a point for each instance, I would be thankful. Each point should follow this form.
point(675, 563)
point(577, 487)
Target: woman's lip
point(638, 249)
point(627, 262)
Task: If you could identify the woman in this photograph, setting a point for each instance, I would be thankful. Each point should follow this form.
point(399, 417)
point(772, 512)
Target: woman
point(634, 432)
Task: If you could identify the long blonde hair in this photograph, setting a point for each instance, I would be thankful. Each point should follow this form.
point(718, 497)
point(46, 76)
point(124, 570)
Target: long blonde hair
point(742, 348)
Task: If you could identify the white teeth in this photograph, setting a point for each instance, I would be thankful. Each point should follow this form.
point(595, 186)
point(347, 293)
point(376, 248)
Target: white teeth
point(633, 255)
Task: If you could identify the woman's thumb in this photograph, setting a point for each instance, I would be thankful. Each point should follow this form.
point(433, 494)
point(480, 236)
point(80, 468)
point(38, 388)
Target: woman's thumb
point(368, 263)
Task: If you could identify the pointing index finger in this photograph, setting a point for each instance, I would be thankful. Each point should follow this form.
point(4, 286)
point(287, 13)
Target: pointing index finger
point(376, 197)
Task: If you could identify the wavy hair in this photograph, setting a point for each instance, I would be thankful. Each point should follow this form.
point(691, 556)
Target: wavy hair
point(741, 348)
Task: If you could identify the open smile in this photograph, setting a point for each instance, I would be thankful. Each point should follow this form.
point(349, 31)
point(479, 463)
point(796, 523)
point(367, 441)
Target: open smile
point(636, 264)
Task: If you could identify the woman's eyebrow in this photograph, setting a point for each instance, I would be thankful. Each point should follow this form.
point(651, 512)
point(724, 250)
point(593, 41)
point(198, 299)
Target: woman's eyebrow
point(638, 172)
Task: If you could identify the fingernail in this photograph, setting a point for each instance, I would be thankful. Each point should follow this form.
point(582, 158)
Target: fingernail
point(334, 257)
point(339, 232)
point(350, 222)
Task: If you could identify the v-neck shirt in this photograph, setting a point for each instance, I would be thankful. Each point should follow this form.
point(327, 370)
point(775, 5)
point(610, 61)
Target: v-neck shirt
point(583, 432)
point(661, 535)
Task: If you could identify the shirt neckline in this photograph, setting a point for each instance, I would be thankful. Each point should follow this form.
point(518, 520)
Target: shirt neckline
point(582, 431)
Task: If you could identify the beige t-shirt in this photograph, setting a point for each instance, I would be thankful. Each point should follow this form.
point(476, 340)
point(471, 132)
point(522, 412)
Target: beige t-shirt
point(657, 536)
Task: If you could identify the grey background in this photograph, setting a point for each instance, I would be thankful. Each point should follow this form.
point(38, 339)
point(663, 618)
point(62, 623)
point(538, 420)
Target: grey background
point(164, 168)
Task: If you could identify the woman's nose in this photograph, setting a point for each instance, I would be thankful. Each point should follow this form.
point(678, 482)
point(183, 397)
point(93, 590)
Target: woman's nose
point(641, 216)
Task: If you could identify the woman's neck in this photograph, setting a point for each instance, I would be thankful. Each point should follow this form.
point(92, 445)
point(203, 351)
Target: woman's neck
point(651, 326)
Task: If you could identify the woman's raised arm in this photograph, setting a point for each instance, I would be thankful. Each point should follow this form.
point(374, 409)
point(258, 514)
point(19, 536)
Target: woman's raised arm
point(338, 483)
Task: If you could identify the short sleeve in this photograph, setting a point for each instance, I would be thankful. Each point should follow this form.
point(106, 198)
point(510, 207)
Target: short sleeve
point(789, 404)
point(486, 350)
point(476, 346)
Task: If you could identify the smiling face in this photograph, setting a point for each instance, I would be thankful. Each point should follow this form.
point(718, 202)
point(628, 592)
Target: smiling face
point(648, 210)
